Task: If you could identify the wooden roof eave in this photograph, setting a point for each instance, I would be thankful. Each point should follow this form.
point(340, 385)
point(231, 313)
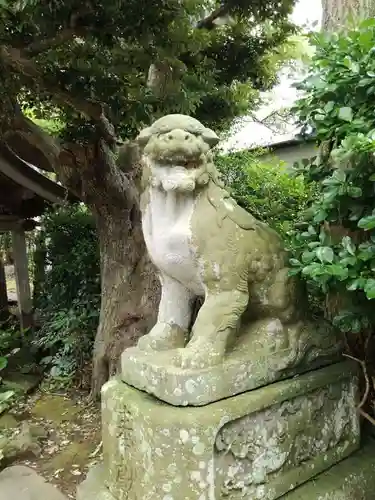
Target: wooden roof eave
point(21, 172)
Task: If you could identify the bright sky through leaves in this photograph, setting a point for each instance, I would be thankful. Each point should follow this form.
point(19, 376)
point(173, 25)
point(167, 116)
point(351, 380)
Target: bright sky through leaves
point(307, 12)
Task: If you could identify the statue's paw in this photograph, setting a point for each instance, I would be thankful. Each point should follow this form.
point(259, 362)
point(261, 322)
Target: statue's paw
point(162, 337)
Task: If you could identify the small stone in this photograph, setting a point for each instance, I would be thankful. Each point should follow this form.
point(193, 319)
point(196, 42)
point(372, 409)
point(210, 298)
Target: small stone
point(20, 444)
point(21, 383)
point(22, 483)
point(7, 421)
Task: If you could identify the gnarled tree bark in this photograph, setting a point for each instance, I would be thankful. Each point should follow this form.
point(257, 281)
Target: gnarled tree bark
point(130, 288)
point(337, 13)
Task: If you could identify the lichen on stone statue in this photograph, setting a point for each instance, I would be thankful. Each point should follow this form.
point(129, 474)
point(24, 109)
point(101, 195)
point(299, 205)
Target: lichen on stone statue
point(253, 322)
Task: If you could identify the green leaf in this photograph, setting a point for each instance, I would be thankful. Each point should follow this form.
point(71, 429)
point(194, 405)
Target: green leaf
point(370, 288)
point(349, 261)
point(320, 215)
point(352, 65)
point(313, 270)
point(4, 398)
point(330, 195)
point(313, 244)
point(369, 22)
point(329, 106)
point(3, 362)
point(357, 284)
point(325, 254)
point(294, 272)
point(338, 271)
point(348, 244)
point(340, 175)
point(367, 223)
point(372, 178)
point(346, 114)
point(355, 192)
point(294, 262)
point(307, 257)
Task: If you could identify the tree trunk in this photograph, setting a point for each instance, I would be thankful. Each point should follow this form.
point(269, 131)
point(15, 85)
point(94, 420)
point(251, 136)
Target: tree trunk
point(337, 13)
point(130, 290)
point(130, 287)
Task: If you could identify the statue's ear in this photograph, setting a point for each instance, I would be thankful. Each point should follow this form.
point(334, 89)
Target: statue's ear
point(210, 137)
point(144, 137)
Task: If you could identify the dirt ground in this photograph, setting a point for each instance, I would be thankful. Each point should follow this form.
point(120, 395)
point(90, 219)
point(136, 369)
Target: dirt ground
point(70, 425)
point(71, 435)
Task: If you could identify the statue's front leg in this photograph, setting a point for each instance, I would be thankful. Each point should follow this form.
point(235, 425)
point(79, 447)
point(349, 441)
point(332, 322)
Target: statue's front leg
point(217, 320)
point(174, 316)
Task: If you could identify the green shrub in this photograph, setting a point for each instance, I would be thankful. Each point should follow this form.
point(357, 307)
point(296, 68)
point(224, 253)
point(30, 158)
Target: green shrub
point(335, 250)
point(6, 343)
point(67, 288)
point(266, 190)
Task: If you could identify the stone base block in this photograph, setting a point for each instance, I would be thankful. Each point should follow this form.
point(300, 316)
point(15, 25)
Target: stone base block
point(258, 445)
point(93, 487)
point(351, 479)
point(252, 363)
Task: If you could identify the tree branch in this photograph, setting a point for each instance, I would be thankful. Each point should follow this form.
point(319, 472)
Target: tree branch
point(49, 43)
point(65, 35)
point(14, 59)
point(162, 78)
point(208, 22)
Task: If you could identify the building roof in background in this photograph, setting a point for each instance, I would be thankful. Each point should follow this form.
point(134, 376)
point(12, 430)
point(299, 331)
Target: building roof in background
point(288, 143)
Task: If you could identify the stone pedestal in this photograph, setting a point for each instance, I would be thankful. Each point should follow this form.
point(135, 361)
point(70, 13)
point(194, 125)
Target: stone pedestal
point(351, 479)
point(261, 444)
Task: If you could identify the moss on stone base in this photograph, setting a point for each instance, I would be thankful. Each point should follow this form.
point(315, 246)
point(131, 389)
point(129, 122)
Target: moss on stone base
point(351, 479)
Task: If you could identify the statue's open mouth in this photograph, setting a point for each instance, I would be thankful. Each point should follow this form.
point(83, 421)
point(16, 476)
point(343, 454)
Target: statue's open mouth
point(180, 161)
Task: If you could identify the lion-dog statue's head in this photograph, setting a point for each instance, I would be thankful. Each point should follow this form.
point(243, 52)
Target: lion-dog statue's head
point(178, 152)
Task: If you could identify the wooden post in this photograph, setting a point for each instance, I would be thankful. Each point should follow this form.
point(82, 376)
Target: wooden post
point(4, 311)
point(22, 278)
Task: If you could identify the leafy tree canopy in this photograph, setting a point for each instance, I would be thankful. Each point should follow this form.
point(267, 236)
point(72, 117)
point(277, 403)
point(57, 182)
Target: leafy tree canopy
point(75, 59)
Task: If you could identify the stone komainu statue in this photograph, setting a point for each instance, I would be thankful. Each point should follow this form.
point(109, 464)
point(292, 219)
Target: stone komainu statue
point(252, 327)
point(204, 244)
